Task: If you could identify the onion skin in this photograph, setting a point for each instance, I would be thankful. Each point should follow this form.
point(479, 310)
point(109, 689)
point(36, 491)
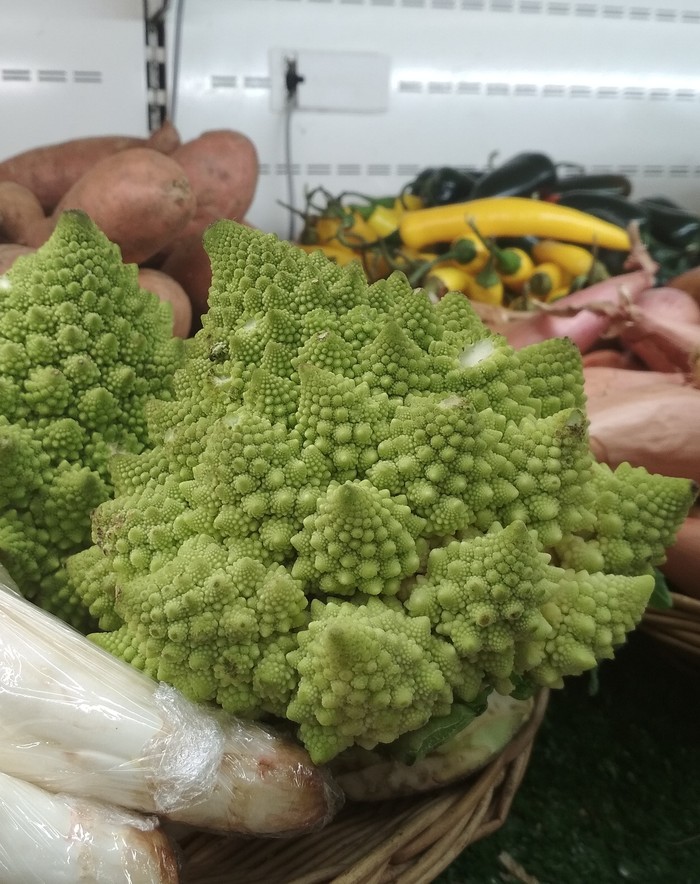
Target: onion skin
point(682, 566)
point(688, 282)
point(665, 340)
point(606, 357)
point(646, 418)
point(585, 316)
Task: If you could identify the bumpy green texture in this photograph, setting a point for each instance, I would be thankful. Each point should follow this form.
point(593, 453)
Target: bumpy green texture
point(360, 507)
point(82, 348)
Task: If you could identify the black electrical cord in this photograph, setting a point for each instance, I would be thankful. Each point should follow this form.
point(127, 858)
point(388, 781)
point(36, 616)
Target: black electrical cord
point(292, 79)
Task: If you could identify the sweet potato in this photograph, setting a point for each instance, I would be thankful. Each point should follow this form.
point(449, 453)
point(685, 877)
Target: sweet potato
point(20, 210)
point(222, 168)
point(167, 289)
point(189, 264)
point(165, 139)
point(139, 198)
point(9, 252)
point(51, 170)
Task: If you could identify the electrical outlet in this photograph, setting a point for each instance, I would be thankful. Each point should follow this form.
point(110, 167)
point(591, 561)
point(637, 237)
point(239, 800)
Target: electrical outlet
point(349, 82)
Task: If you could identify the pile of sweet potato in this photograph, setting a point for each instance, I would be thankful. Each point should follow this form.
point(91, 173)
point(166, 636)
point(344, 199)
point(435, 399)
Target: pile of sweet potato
point(152, 196)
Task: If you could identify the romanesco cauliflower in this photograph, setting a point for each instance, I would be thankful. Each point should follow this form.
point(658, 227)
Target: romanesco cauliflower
point(362, 507)
point(81, 349)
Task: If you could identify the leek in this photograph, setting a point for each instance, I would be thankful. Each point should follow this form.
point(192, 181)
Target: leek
point(59, 839)
point(75, 719)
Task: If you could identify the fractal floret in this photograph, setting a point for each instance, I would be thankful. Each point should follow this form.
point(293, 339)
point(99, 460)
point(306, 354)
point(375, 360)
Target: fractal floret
point(361, 507)
point(82, 348)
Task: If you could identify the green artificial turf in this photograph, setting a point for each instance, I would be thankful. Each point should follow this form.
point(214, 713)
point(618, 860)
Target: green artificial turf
point(612, 793)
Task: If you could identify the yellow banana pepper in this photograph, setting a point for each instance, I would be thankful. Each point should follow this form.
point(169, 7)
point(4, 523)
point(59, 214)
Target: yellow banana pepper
point(347, 231)
point(384, 221)
point(546, 278)
point(518, 277)
point(575, 260)
point(335, 252)
point(465, 242)
point(486, 287)
point(408, 202)
point(444, 278)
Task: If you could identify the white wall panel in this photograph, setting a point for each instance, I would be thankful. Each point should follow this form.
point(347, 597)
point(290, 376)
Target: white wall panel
point(70, 69)
point(612, 85)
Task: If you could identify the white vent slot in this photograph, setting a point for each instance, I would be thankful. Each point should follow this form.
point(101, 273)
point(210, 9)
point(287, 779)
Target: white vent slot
point(87, 76)
point(254, 82)
point(439, 88)
point(379, 169)
point(47, 76)
point(525, 89)
point(640, 13)
point(286, 169)
point(22, 75)
point(224, 81)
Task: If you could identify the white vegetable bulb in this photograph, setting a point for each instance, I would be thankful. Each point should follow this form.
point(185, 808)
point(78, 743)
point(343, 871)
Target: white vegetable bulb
point(60, 839)
point(75, 719)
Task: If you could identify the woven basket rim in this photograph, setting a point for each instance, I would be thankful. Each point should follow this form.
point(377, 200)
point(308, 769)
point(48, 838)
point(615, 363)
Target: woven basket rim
point(411, 839)
point(677, 627)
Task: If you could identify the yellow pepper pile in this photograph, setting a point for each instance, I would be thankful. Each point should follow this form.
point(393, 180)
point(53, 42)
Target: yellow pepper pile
point(460, 246)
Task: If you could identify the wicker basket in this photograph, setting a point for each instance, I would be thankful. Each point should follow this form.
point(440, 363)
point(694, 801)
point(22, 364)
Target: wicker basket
point(410, 840)
point(678, 627)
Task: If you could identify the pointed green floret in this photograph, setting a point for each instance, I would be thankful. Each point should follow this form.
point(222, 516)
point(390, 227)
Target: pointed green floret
point(367, 673)
point(636, 517)
point(486, 596)
point(82, 348)
point(590, 615)
point(359, 539)
point(356, 507)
